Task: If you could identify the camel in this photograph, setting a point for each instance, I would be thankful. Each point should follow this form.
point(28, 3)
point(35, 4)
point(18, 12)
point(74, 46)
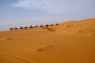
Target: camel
point(31, 26)
point(36, 26)
point(25, 27)
point(15, 28)
point(11, 28)
point(47, 25)
point(21, 27)
point(51, 25)
point(41, 26)
point(56, 24)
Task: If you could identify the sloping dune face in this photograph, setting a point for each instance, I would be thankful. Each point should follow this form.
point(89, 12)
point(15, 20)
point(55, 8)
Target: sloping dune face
point(69, 42)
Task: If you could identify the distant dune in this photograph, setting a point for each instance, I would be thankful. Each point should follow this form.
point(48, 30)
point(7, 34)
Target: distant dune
point(68, 42)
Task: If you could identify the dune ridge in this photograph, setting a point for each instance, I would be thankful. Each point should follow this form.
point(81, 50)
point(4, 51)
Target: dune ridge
point(68, 42)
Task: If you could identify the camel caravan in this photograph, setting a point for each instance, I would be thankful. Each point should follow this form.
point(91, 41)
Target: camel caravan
point(22, 28)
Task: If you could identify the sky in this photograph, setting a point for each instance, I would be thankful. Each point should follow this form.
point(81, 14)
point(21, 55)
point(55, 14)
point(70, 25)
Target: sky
point(16, 13)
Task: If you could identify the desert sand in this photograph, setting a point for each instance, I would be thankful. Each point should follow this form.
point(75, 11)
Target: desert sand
point(68, 42)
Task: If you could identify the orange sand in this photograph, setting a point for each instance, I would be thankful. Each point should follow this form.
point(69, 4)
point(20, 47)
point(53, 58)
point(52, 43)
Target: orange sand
point(73, 42)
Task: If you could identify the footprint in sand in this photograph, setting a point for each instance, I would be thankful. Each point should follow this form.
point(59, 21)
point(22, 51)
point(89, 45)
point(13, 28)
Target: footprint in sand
point(91, 34)
point(7, 38)
point(42, 48)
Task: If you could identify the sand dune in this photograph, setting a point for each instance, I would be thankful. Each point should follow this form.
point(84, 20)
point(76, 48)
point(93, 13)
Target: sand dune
point(12, 58)
point(69, 42)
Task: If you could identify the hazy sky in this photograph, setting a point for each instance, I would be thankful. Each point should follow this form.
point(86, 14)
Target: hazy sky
point(34, 12)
